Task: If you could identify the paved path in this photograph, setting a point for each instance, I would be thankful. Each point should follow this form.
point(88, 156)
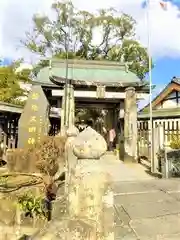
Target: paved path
point(146, 208)
point(124, 172)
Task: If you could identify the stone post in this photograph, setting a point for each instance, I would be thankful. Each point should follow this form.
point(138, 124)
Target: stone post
point(68, 109)
point(157, 145)
point(72, 133)
point(130, 126)
point(71, 159)
point(90, 191)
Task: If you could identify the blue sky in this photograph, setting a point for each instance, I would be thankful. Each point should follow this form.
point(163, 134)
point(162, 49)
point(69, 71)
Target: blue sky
point(166, 67)
point(5, 61)
point(164, 70)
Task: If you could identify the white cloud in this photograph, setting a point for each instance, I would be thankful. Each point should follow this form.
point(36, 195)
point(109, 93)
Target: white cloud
point(16, 16)
point(24, 66)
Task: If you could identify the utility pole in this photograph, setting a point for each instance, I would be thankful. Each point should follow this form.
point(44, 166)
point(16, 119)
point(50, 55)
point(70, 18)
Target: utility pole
point(68, 85)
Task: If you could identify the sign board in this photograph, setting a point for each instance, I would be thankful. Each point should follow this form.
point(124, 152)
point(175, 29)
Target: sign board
point(34, 121)
point(100, 92)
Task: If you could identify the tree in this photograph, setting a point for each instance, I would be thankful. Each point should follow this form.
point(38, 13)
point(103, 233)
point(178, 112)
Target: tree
point(73, 31)
point(10, 79)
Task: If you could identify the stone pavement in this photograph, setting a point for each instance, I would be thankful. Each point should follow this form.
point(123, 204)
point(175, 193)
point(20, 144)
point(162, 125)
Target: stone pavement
point(123, 172)
point(146, 208)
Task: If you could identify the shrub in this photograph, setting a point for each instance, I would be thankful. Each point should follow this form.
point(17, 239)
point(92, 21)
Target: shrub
point(175, 141)
point(44, 157)
point(49, 153)
point(31, 205)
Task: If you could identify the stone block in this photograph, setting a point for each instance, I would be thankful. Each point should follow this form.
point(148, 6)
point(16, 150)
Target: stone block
point(124, 233)
point(156, 196)
point(152, 209)
point(133, 187)
point(67, 229)
point(89, 145)
point(91, 197)
point(80, 230)
point(160, 226)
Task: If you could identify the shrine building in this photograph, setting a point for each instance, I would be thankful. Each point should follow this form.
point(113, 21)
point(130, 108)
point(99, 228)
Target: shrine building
point(102, 85)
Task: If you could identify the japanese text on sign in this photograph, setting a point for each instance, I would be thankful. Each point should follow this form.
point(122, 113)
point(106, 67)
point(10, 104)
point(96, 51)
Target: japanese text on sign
point(32, 129)
point(34, 108)
point(31, 140)
point(33, 119)
point(35, 96)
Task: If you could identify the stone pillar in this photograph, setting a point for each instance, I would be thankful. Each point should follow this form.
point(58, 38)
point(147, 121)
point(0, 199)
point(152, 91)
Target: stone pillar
point(90, 192)
point(157, 146)
point(130, 126)
point(72, 133)
point(116, 126)
point(1, 131)
point(67, 109)
point(71, 159)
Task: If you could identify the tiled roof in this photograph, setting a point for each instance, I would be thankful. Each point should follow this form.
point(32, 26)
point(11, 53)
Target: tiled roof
point(176, 80)
point(88, 72)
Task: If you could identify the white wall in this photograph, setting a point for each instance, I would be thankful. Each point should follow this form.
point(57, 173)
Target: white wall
point(168, 102)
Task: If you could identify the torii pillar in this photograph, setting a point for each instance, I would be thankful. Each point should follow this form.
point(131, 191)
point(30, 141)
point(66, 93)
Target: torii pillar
point(130, 126)
point(67, 109)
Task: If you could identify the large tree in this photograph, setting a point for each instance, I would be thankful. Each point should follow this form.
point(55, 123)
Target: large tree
point(10, 79)
point(74, 32)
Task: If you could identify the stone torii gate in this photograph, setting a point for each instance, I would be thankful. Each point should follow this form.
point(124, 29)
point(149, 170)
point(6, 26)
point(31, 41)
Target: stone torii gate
point(98, 84)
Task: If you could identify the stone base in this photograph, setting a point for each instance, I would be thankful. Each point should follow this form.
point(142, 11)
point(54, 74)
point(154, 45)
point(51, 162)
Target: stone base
point(129, 159)
point(68, 229)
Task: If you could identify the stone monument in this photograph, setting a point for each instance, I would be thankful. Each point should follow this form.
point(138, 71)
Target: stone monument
point(34, 121)
point(90, 212)
point(90, 191)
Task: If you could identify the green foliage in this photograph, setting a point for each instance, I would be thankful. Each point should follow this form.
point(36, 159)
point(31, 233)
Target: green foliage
point(18, 102)
point(3, 180)
point(10, 89)
point(175, 141)
point(52, 37)
point(31, 205)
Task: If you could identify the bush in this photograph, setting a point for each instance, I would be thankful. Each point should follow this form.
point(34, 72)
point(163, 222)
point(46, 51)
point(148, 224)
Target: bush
point(175, 141)
point(31, 205)
point(44, 157)
point(49, 153)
